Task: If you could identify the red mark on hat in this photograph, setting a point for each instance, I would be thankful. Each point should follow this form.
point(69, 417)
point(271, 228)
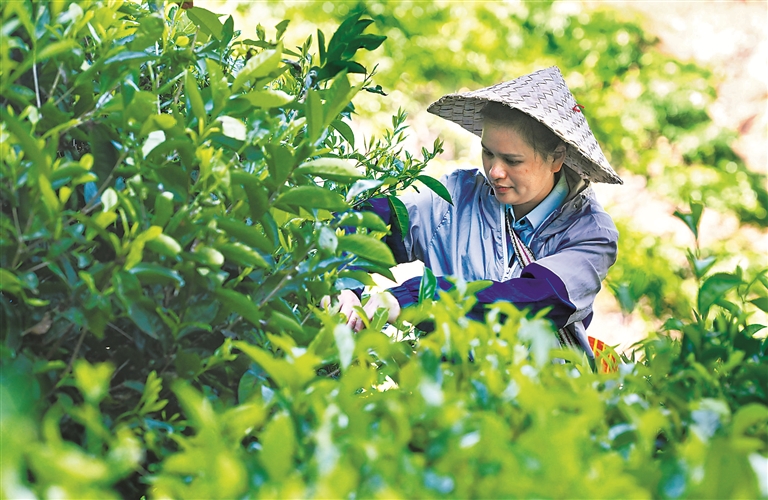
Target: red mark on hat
point(578, 108)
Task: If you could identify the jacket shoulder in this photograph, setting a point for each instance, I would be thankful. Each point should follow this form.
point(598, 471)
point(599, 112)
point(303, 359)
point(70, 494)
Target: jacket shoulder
point(594, 210)
point(464, 182)
point(583, 218)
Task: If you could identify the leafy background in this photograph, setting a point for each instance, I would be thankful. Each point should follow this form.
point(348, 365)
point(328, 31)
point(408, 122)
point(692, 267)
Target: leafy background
point(648, 77)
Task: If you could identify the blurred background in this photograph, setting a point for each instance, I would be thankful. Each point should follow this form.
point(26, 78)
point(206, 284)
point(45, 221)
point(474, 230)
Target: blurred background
point(674, 91)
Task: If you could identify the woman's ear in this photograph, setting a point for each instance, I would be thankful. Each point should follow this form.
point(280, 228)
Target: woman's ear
point(558, 157)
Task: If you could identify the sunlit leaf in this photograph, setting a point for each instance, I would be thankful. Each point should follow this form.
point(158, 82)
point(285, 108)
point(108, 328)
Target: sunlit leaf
point(278, 447)
point(367, 248)
point(345, 343)
point(232, 127)
point(207, 21)
point(267, 98)
point(194, 97)
point(428, 286)
point(310, 197)
point(243, 255)
point(258, 66)
point(368, 220)
point(336, 169)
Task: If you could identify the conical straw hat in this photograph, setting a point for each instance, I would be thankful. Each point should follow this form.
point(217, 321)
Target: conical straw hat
point(544, 96)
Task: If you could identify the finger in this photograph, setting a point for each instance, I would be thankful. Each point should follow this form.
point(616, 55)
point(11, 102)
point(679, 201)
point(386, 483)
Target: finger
point(352, 320)
point(347, 310)
point(372, 306)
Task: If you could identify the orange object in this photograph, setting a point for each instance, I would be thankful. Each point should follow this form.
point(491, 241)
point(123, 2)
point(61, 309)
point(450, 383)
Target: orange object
point(608, 362)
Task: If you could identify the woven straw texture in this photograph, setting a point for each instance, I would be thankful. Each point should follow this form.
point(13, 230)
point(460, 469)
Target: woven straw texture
point(544, 96)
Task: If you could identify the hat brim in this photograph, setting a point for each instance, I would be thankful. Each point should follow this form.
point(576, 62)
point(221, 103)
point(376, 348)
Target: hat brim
point(544, 96)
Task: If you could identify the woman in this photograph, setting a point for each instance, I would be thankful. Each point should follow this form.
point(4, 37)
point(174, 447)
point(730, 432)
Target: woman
point(539, 157)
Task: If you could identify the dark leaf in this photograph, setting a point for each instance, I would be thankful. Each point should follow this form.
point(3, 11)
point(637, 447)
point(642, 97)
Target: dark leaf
point(436, 186)
point(715, 287)
point(692, 218)
point(400, 214)
point(761, 303)
point(240, 304)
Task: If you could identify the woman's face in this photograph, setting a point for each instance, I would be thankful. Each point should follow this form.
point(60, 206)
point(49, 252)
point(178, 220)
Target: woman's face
point(519, 177)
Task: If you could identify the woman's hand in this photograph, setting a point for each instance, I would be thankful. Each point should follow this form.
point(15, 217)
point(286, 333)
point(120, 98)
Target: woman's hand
point(348, 301)
point(385, 300)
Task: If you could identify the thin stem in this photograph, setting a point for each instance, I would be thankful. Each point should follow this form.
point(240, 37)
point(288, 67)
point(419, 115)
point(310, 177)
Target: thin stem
point(71, 362)
point(96, 200)
point(120, 331)
point(120, 368)
point(34, 77)
point(38, 267)
point(55, 81)
point(58, 342)
point(282, 282)
point(26, 228)
point(19, 238)
point(64, 96)
point(274, 290)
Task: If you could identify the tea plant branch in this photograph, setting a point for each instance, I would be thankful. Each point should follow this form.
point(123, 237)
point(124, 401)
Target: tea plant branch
point(34, 77)
point(120, 331)
point(63, 96)
point(277, 288)
point(27, 226)
point(39, 266)
point(56, 344)
point(96, 200)
point(68, 369)
point(285, 279)
point(55, 80)
point(120, 368)
point(19, 238)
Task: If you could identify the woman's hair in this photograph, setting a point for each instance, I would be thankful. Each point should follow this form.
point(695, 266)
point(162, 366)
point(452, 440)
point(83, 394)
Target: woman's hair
point(537, 135)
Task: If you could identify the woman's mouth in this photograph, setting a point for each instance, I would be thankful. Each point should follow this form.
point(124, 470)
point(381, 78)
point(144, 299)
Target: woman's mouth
point(502, 189)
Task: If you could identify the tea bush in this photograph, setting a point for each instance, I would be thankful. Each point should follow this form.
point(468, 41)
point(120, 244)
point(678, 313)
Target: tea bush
point(647, 109)
point(177, 200)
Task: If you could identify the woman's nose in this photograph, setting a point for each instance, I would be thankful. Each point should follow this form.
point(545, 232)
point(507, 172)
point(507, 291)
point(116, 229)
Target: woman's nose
point(496, 171)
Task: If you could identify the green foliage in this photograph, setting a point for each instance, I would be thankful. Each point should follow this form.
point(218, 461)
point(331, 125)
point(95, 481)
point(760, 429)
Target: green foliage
point(175, 204)
point(647, 109)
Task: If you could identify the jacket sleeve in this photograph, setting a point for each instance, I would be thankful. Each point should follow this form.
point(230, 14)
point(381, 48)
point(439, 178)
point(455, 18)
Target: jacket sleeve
point(426, 211)
point(566, 281)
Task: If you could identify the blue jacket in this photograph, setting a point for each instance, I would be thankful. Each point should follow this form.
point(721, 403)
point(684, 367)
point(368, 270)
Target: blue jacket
point(574, 247)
